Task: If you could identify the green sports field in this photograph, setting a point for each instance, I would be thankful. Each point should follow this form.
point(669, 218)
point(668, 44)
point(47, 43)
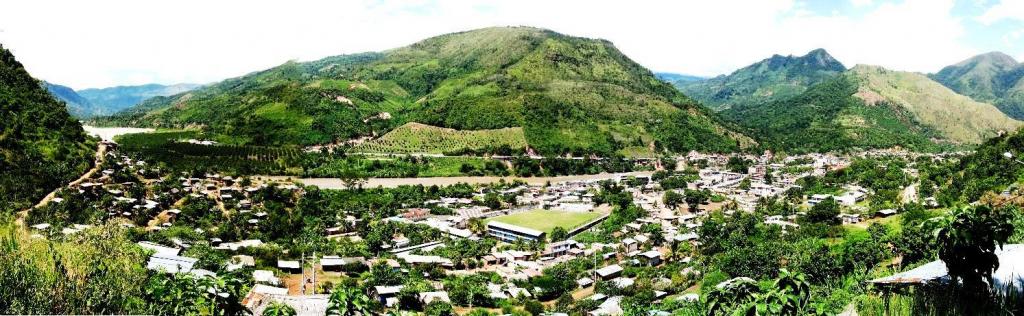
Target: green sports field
point(546, 220)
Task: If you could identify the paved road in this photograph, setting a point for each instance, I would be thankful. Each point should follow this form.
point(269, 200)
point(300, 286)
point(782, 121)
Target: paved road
point(336, 183)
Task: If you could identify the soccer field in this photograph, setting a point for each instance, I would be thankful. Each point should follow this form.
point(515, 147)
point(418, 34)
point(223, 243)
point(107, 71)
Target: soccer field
point(546, 220)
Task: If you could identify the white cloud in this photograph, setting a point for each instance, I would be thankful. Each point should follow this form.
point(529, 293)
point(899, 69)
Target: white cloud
point(102, 43)
point(1004, 10)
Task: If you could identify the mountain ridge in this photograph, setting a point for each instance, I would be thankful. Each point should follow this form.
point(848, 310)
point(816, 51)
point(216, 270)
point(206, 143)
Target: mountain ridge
point(992, 77)
point(773, 78)
point(873, 107)
point(569, 94)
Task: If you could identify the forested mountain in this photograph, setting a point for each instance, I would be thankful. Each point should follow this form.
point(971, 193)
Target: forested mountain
point(41, 145)
point(994, 78)
point(111, 100)
point(569, 94)
point(775, 78)
point(871, 107)
point(77, 105)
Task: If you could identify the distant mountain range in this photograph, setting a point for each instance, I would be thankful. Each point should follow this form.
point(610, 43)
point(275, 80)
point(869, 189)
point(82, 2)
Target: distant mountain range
point(992, 77)
point(106, 101)
point(775, 78)
point(675, 78)
point(569, 94)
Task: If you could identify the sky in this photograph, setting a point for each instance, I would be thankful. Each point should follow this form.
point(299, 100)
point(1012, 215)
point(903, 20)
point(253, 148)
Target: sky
point(89, 44)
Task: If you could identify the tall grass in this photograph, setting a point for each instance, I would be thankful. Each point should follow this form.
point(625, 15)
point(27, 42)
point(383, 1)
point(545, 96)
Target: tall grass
point(1007, 299)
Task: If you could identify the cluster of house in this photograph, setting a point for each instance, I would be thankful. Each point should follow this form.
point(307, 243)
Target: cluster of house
point(633, 246)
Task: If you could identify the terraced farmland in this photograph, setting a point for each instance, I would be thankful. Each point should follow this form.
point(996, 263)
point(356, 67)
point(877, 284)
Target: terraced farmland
point(426, 139)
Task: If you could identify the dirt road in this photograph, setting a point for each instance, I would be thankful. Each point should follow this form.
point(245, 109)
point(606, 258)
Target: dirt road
point(336, 183)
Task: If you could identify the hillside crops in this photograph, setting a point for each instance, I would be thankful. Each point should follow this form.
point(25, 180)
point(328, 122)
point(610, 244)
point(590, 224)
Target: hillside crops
point(169, 147)
point(421, 138)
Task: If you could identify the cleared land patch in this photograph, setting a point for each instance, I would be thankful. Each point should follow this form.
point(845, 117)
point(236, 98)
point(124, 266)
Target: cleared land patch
point(426, 139)
point(547, 220)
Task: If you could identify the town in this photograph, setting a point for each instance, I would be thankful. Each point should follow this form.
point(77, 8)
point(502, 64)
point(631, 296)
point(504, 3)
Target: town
point(480, 246)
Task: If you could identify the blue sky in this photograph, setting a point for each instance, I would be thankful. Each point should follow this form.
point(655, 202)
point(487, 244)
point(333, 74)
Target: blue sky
point(117, 42)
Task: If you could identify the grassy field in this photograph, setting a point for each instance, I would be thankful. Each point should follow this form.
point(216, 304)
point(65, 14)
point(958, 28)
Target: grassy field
point(421, 138)
point(546, 220)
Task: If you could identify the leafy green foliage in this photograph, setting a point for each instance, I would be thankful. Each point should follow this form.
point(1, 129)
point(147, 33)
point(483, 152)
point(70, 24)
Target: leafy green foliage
point(986, 170)
point(967, 244)
point(347, 300)
point(41, 145)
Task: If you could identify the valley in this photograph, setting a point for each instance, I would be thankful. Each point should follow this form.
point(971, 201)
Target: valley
point(516, 170)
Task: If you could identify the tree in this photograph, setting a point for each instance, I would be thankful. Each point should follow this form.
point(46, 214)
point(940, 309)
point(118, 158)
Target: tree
point(967, 243)
point(738, 164)
point(278, 309)
point(492, 200)
point(439, 308)
point(477, 226)
point(789, 294)
point(672, 199)
point(558, 234)
point(694, 198)
point(825, 212)
point(534, 307)
point(745, 184)
point(348, 301)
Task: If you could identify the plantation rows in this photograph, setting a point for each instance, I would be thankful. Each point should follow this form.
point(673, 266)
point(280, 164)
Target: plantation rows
point(234, 151)
point(171, 149)
point(419, 138)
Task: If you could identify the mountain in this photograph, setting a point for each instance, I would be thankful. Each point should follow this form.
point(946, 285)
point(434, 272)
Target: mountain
point(871, 107)
point(568, 94)
point(675, 78)
point(992, 77)
point(776, 78)
point(41, 145)
point(77, 105)
point(111, 100)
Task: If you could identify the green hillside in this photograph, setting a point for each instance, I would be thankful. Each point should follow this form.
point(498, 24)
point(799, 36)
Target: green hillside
point(77, 105)
point(41, 146)
point(994, 78)
point(775, 78)
point(870, 107)
point(568, 94)
point(955, 117)
point(987, 169)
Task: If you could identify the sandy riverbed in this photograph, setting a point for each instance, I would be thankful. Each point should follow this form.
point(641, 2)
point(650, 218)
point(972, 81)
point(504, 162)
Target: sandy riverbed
point(108, 133)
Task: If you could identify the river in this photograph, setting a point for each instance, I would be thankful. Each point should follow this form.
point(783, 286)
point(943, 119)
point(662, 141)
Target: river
point(108, 133)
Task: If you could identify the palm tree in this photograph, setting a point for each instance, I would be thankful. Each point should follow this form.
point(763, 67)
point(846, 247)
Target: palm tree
point(477, 226)
point(348, 301)
point(279, 309)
